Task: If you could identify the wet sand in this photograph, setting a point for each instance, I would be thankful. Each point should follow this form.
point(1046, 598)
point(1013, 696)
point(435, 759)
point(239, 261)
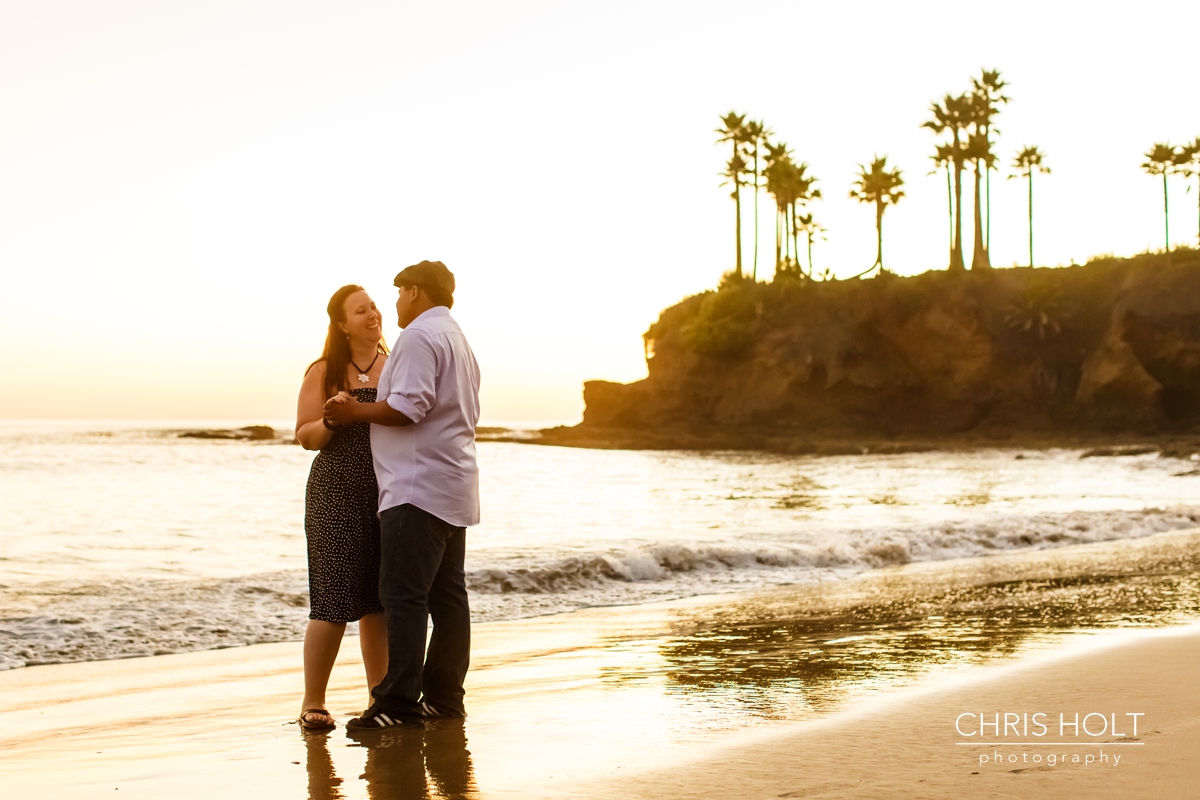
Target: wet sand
point(843, 689)
point(907, 745)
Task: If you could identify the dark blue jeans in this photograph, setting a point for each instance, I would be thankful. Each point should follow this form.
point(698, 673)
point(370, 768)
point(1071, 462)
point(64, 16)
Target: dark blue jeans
point(421, 577)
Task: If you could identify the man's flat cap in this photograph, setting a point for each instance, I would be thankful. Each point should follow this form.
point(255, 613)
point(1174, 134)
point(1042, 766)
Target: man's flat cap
point(432, 276)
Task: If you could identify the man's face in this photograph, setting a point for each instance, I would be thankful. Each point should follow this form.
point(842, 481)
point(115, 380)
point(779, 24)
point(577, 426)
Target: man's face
point(406, 305)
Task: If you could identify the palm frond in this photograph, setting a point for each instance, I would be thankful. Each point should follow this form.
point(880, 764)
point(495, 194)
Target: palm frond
point(878, 184)
point(1160, 159)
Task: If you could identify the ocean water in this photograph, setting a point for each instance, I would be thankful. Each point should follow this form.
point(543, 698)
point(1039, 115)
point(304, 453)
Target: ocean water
point(120, 540)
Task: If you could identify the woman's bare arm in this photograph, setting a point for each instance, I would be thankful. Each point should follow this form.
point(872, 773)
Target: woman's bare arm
point(344, 409)
point(311, 432)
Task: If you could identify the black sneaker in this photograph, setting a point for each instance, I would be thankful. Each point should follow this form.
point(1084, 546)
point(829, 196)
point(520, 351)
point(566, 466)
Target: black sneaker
point(430, 712)
point(376, 719)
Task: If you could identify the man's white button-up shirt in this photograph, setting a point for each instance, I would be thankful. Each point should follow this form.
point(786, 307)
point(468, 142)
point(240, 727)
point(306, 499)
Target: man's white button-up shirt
point(432, 378)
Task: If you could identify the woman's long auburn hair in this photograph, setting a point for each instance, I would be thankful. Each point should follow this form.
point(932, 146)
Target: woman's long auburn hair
point(336, 354)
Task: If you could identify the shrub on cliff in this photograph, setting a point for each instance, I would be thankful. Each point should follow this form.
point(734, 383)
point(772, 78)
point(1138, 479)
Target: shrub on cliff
point(726, 322)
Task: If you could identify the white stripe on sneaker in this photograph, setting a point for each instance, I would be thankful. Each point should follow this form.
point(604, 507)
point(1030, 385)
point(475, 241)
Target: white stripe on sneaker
point(389, 719)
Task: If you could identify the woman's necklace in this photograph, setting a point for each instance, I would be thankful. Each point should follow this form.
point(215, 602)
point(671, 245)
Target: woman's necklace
point(362, 373)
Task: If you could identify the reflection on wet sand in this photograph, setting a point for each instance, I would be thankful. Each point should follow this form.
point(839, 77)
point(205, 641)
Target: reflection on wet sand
point(406, 763)
point(447, 760)
point(797, 652)
point(323, 782)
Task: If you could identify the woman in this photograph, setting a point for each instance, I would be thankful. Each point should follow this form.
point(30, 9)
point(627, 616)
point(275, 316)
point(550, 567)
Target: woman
point(340, 519)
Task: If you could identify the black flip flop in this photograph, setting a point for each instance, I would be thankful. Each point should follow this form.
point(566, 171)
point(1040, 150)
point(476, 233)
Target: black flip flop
point(316, 727)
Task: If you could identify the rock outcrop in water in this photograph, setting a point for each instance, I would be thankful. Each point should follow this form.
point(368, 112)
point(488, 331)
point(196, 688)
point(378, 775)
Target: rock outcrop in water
point(253, 433)
point(1110, 347)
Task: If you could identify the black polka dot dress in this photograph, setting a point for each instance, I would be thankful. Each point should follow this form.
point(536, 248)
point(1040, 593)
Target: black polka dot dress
point(342, 527)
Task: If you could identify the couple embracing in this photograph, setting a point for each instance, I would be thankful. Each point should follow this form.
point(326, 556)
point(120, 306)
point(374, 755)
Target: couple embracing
point(389, 498)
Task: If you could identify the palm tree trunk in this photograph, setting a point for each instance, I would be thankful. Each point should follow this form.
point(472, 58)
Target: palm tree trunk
point(988, 229)
point(979, 259)
point(777, 238)
point(796, 236)
point(1166, 213)
point(950, 209)
point(755, 273)
point(1031, 218)
point(787, 233)
point(879, 236)
point(987, 137)
point(811, 272)
point(956, 253)
point(783, 236)
point(737, 201)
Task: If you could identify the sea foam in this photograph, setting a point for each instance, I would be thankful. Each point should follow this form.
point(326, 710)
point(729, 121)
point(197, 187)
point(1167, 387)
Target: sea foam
point(62, 621)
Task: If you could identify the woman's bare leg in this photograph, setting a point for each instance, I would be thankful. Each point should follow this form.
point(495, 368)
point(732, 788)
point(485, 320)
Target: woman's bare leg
point(372, 638)
point(321, 643)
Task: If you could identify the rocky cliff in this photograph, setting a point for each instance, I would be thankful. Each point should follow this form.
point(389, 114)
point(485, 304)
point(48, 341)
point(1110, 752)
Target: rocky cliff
point(1111, 346)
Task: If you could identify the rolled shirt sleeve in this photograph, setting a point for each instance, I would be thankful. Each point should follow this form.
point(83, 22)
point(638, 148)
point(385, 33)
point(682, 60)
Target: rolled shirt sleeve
point(414, 383)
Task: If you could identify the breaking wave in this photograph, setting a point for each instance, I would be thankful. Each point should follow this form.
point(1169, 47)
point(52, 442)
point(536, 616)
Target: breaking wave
point(55, 622)
point(844, 550)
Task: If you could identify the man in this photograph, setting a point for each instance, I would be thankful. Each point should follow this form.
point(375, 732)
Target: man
point(423, 443)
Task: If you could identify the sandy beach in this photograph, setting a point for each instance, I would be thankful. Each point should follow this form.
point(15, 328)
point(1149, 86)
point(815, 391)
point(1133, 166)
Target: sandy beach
point(635, 701)
point(907, 745)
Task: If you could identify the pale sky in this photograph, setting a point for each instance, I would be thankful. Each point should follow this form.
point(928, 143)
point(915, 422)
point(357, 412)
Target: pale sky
point(184, 184)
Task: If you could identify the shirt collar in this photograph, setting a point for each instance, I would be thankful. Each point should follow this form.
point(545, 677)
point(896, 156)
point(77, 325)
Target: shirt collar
point(432, 313)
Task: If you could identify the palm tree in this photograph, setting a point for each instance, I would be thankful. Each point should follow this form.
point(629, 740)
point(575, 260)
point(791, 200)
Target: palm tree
point(779, 162)
point(1027, 162)
point(803, 192)
point(952, 115)
point(787, 190)
point(1188, 163)
point(756, 135)
point(944, 157)
point(979, 151)
point(989, 87)
point(811, 229)
point(880, 186)
point(735, 175)
point(733, 130)
point(792, 187)
point(1161, 160)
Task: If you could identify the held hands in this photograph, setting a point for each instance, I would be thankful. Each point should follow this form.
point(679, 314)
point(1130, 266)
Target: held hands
point(344, 409)
point(341, 409)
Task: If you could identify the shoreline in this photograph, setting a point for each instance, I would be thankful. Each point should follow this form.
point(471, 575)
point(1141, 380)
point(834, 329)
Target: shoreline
point(665, 699)
point(1181, 445)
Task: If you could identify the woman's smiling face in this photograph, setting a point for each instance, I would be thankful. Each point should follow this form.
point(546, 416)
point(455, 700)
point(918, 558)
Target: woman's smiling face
point(363, 320)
